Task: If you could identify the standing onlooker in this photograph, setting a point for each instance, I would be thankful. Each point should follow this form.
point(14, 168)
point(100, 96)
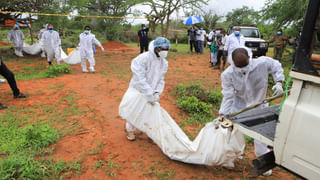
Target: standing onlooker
point(202, 39)
point(52, 44)
point(192, 39)
point(213, 54)
point(143, 39)
point(86, 49)
point(221, 40)
point(198, 40)
point(233, 41)
point(40, 35)
point(17, 36)
point(6, 73)
point(280, 41)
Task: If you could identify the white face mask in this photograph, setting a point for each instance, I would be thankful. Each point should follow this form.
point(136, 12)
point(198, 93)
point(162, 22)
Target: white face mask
point(163, 54)
point(243, 70)
point(87, 31)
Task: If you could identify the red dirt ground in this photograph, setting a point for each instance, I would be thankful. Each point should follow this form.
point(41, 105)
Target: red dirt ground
point(4, 44)
point(116, 46)
point(101, 93)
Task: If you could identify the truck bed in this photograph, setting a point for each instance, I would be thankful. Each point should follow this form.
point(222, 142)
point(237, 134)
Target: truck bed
point(259, 121)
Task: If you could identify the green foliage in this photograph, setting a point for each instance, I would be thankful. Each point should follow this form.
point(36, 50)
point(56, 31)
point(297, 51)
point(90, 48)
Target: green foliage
point(37, 72)
point(32, 138)
point(37, 137)
point(248, 139)
point(199, 103)
point(285, 13)
point(111, 168)
point(21, 167)
point(54, 70)
point(244, 15)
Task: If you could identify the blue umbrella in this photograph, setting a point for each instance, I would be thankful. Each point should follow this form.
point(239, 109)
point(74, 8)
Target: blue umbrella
point(192, 20)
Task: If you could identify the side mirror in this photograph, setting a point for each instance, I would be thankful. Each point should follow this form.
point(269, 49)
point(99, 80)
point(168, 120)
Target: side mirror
point(261, 36)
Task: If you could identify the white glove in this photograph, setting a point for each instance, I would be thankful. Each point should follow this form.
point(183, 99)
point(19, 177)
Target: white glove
point(151, 99)
point(102, 48)
point(156, 97)
point(277, 88)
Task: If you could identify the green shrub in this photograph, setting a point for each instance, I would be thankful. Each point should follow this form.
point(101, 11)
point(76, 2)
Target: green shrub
point(39, 137)
point(21, 167)
point(198, 102)
point(30, 138)
point(199, 111)
point(54, 70)
point(214, 96)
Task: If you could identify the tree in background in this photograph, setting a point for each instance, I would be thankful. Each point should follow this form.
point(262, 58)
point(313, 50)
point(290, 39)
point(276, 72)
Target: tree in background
point(210, 19)
point(161, 10)
point(244, 15)
point(27, 6)
point(285, 14)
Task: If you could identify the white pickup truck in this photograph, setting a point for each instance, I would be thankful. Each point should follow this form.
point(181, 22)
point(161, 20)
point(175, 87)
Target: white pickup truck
point(253, 39)
point(294, 132)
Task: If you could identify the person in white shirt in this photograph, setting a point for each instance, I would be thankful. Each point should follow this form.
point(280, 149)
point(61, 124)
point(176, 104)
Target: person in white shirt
point(202, 39)
point(40, 35)
point(86, 51)
point(233, 41)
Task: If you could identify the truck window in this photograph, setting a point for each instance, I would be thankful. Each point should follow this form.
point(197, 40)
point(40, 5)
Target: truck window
point(246, 32)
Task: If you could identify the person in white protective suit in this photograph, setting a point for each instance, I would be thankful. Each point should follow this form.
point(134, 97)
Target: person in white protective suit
point(148, 71)
point(233, 41)
point(86, 51)
point(245, 83)
point(17, 36)
point(40, 35)
point(52, 44)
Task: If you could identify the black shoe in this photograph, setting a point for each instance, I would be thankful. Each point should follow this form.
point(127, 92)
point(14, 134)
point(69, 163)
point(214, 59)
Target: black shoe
point(50, 63)
point(20, 96)
point(3, 106)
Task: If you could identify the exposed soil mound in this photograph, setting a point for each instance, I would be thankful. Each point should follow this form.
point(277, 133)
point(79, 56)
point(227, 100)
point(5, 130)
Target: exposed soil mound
point(4, 44)
point(116, 46)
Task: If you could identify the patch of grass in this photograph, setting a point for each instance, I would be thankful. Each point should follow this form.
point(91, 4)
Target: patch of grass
point(160, 172)
point(95, 150)
point(198, 102)
point(248, 139)
point(38, 72)
point(111, 166)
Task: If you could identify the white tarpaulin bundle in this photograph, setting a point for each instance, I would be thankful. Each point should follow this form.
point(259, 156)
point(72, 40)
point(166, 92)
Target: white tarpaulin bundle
point(73, 58)
point(209, 148)
point(33, 49)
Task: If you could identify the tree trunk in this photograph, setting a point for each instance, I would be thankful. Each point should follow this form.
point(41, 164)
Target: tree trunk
point(30, 28)
point(167, 26)
point(162, 28)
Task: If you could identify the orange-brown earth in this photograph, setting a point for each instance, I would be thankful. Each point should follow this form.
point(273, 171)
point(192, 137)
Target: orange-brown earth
point(99, 135)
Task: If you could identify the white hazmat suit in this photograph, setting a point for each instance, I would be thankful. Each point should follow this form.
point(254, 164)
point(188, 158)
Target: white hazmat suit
point(210, 147)
point(242, 89)
point(17, 36)
point(86, 51)
point(148, 75)
point(52, 45)
point(233, 42)
point(40, 36)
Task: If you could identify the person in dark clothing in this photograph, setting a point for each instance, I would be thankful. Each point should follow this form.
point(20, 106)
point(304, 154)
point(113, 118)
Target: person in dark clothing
point(192, 39)
point(143, 39)
point(6, 73)
point(221, 40)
